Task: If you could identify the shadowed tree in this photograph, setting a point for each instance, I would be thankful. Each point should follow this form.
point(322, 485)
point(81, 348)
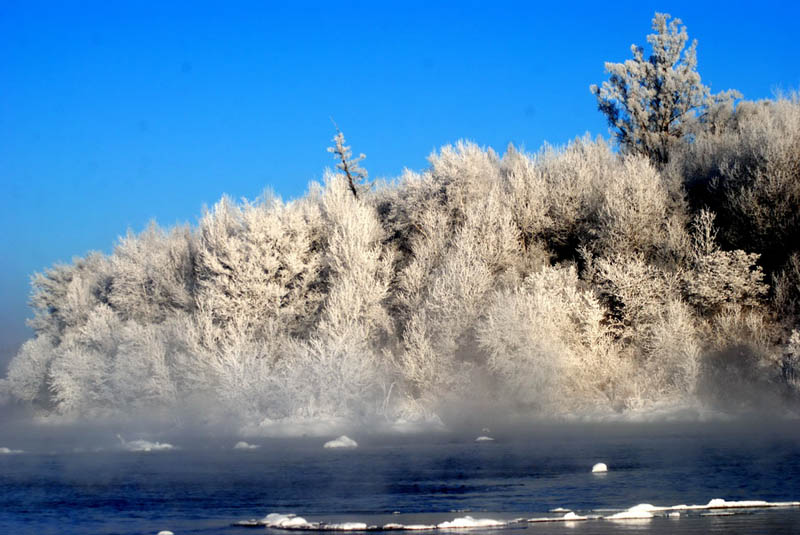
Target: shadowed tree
point(651, 103)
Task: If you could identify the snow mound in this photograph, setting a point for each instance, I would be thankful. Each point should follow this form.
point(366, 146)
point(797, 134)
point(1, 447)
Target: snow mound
point(9, 451)
point(242, 445)
point(719, 503)
point(469, 522)
point(342, 442)
point(278, 520)
point(346, 526)
point(568, 517)
point(599, 468)
point(484, 438)
point(407, 527)
point(642, 511)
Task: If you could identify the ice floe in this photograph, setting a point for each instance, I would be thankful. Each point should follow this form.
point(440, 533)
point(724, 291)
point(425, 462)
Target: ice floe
point(643, 511)
point(407, 527)
point(469, 522)
point(719, 503)
point(599, 468)
point(342, 442)
point(9, 451)
point(484, 438)
point(568, 517)
point(290, 521)
point(165, 532)
point(242, 445)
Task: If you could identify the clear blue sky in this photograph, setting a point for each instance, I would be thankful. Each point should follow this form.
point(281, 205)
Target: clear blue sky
point(116, 113)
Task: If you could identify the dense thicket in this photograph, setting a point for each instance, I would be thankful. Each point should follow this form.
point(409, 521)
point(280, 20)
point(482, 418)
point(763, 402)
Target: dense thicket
point(573, 279)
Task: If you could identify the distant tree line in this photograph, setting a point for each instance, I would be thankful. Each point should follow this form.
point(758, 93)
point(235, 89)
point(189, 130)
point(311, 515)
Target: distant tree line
point(580, 278)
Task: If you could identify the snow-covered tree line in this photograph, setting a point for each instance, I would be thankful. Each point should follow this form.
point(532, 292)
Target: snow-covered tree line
point(576, 278)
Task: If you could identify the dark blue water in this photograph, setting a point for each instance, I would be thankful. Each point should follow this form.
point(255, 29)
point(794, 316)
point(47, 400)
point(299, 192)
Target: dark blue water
point(206, 485)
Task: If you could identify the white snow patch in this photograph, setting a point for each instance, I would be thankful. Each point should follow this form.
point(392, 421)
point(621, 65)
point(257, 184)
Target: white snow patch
point(599, 468)
point(347, 526)
point(342, 442)
point(484, 438)
point(642, 511)
point(469, 522)
point(568, 517)
point(9, 451)
point(290, 521)
point(719, 503)
point(242, 445)
point(408, 527)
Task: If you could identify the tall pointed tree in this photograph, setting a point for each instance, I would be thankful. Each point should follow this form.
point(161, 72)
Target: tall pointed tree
point(653, 102)
point(356, 175)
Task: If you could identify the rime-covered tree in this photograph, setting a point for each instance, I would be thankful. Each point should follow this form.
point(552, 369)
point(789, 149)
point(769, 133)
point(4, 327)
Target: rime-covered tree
point(653, 102)
point(356, 175)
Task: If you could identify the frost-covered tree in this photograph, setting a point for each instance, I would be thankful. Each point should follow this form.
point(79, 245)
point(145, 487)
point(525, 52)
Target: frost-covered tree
point(356, 175)
point(749, 175)
point(652, 102)
point(571, 279)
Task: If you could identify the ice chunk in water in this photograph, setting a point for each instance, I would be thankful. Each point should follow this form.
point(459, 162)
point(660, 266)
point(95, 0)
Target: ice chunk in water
point(342, 442)
point(469, 522)
point(599, 468)
point(637, 512)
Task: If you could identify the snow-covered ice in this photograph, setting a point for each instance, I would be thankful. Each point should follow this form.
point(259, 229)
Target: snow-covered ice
point(9, 451)
point(165, 532)
point(278, 520)
point(484, 438)
point(242, 445)
point(568, 517)
point(599, 468)
point(637, 512)
point(407, 527)
point(642, 512)
point(342, 442)
point(469, 522)
point(347, 526)
point(719, 503)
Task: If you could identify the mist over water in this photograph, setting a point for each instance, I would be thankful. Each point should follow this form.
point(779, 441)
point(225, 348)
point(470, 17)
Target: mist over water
point(204, 484)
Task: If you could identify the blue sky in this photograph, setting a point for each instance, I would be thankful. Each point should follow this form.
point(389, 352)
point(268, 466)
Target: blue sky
point(116, 113)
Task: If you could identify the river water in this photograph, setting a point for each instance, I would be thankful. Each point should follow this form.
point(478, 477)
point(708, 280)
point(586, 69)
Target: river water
point(205, 486)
